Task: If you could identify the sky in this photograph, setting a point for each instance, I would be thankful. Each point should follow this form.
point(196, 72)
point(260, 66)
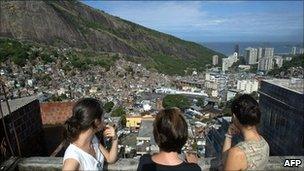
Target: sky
point(214, 21)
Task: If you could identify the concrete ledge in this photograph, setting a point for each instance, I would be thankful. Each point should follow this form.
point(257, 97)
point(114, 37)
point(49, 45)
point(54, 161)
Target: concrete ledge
point(55, 163)
point(40, 163)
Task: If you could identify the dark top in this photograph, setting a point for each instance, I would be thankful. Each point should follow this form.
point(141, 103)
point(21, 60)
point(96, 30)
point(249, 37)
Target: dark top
point(146, 164)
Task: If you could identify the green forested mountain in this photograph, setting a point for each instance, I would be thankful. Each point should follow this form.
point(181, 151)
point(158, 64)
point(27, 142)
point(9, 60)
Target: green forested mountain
point(74, 24)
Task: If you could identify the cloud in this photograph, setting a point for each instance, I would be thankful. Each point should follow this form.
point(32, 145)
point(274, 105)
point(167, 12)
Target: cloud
point(162, 15)
point(196, 19)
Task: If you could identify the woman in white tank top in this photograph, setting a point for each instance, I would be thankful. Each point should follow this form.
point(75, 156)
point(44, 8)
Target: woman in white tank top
point(85, 151)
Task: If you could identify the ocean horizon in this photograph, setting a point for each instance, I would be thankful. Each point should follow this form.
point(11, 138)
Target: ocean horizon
point(227, 48)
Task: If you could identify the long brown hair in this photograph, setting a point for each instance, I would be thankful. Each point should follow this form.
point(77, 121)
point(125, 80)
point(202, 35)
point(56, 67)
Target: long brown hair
point(85, 111)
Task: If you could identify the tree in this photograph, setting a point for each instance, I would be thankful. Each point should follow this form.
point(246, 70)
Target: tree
point(253, 68)
point(194, 146)
point(15, 50)
point(176, 100)
point(47, 58)
point(108, 106)
point(200, 102)
point(123, 121)
point(59, 98)
point(120, 111)
point(297, 61)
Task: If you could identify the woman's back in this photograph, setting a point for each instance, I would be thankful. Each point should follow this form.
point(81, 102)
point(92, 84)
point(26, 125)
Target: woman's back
point(256, 152)
point(147, 164)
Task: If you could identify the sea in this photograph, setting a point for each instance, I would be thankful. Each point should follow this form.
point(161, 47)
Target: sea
point(227, 48)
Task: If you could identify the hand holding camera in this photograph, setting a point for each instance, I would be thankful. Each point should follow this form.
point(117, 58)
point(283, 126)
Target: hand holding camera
point(110, 132)
point(232, 130)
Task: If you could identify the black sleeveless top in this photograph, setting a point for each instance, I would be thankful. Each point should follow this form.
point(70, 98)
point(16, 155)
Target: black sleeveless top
point(146, 164)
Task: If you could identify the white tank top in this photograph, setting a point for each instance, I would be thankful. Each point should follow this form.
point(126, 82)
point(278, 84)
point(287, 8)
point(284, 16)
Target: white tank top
point(86, 161)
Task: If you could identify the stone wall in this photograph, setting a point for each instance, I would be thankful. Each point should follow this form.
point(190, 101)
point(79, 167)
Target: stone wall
point(55, 163)
point(55, 112)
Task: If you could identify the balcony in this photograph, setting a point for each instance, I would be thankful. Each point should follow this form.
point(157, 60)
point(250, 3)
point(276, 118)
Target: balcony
point(55, 163)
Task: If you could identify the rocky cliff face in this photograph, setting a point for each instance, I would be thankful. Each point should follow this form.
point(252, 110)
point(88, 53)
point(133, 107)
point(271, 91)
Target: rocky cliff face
point(73, 24)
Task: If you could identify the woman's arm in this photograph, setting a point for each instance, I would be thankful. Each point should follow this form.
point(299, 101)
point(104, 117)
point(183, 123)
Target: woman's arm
point(111, 155)
point(70, 164)
point(236, 160)
point(227, 143)
point(232, 130)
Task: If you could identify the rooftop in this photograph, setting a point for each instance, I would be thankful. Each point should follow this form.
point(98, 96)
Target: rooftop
point(226, 118)
point(293, 84)
point(235, 90)
point(16, 104)
point(146, 128)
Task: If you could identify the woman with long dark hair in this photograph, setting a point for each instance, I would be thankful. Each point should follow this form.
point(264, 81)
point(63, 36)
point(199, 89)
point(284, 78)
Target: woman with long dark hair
point(85, 152)
point(253, 152)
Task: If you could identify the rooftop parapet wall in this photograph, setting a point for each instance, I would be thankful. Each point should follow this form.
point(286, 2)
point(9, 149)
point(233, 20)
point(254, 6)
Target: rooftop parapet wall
point(55, 163)
point(55, 112)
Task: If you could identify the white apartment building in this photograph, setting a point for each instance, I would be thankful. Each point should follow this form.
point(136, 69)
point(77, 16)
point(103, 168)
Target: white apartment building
point(265, 64)
point(301, 51)
point(294, 50)
point(260, 53)
point(268, 52)
point(248, 86)
point(215, 60)
point(251, 55)
point(228, 62)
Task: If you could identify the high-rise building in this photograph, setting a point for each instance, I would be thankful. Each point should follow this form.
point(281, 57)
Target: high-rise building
point(237, 49)
point(301, 51)
point(268, 52)
point(248, 86)
point(265, 64)
point(282, 110)
point(294, 50)
point(215, 60)
point(225, 64)
point(251, 55)
point(260, 53)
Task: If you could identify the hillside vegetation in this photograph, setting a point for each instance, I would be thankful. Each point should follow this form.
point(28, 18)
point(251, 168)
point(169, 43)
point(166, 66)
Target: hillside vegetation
point(74, 24)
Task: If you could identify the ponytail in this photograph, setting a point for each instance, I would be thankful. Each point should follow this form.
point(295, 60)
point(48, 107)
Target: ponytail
point(85, 112)
point(72, 129)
